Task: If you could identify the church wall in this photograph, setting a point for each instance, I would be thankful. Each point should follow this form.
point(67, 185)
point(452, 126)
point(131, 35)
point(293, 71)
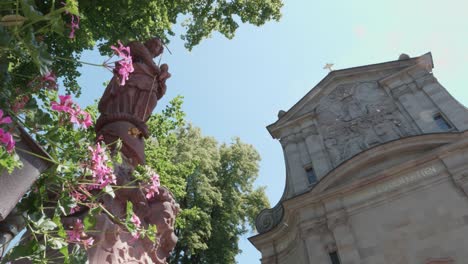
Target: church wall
point(430, 222)
point(385, 193)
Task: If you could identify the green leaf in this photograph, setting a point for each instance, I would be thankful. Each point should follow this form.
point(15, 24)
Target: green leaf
point(89, 222)
point(66, 203)
point(108, 189)
point(46, 225)
point(151, 232)
point(57, 243)
point(78, 255)
point(65, 253)
point(57, 26)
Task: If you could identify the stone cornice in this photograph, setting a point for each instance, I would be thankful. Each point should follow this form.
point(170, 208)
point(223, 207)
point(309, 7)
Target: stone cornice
point(299, 136)
point(409, 74)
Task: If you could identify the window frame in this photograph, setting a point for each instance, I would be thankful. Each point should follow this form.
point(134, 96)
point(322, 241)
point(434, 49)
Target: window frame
point(310, 168)
point(439, 116)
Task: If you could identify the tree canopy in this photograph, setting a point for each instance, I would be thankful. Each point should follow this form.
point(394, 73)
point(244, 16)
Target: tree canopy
point(35, 36)
point(213, 184)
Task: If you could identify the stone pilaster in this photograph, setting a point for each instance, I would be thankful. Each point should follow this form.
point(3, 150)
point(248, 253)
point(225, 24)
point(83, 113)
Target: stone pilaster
point(321, 162)
point(315, 241)
point(345, 241)
point(296, 173)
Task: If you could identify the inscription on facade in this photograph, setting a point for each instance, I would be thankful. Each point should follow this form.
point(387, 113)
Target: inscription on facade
point(393, 184)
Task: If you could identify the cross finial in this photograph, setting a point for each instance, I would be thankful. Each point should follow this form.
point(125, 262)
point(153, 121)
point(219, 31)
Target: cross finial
point(328, 66)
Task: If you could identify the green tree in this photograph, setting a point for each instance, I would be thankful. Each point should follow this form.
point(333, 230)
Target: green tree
point(213, 184)
point(34, 34)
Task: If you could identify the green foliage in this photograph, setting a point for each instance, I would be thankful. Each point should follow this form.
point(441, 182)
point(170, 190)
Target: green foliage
point(9, 161)
point(38, 40)
point(213, 184)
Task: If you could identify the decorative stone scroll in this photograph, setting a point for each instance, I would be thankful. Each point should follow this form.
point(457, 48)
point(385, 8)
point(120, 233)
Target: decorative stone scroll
point(269, 218)
point(357, 116)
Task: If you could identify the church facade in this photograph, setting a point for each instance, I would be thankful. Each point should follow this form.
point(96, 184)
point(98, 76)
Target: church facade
point(376, 171)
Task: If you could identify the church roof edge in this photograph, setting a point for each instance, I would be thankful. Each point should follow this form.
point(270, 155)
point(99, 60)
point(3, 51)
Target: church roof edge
point(425, 59)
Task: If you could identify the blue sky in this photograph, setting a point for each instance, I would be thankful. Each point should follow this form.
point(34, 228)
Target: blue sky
point(236, 87)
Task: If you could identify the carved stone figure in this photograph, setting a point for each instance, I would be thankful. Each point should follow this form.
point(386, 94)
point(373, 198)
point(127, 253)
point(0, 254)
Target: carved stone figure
point(125, 109)
point(115, 245)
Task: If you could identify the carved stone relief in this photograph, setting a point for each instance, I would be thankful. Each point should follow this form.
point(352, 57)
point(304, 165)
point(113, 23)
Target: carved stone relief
point(357, 116)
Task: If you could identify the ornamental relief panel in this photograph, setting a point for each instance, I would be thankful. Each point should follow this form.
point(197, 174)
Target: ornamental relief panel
point(357, 116)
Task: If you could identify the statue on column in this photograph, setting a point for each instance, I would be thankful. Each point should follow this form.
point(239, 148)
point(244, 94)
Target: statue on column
point(125, 109)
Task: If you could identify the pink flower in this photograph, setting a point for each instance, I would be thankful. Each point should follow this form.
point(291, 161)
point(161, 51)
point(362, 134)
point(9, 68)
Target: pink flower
point(124, 69)
point(81, 118)
point(20, 103)
point(87, 243)
point(121, 51)
point(76, 233)
point(152, 188)
point(79, 197)
point(84, 119)
point(4, 120)
point(136, 220)
point(77, 116)
point(65, 104)
point(100, 171)
point(7, 139)
point(124, 66)
point(74, 25)
point(49, 80)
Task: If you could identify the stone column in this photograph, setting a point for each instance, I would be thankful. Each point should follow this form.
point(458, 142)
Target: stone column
point(296, 177)
point(345, 241)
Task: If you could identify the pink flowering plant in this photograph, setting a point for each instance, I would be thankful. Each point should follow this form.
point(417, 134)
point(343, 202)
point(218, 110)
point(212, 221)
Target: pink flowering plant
point(134, 225)
point(124, 66)
point(81, 176)
point(72, 112)
point(8, 158)
point(148, 180)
